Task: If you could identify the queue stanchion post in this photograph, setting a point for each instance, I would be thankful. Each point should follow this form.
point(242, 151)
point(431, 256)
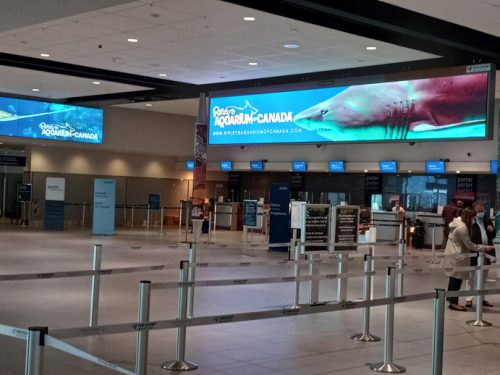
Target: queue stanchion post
point(438, 332)
point(401, 261)
point(132, 217)
point(388, 366)
point(367, 286)
point(296, 273)
point(96, 281)
point(83, 214)
point(147, 218)
point(35, 350)
point(313, 284)
point(191, 278)
point(180, 363)
point(161, 220)
point(124, 215)
point(343, 267)
point(141, 350)
point(433, 260)
point(479, 322)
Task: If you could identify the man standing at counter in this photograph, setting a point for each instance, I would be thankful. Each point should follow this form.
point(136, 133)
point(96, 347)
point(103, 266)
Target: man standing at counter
point(450, 211)
point(482, 233)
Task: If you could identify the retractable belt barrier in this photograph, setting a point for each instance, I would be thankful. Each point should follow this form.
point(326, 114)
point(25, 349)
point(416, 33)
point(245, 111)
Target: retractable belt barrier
point(18, 333)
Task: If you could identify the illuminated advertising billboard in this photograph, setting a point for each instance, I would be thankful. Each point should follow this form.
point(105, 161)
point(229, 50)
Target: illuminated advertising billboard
point(454, 106)
point(54, 121)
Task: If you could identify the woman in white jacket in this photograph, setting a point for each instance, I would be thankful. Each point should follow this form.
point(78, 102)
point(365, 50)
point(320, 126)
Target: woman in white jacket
point(458, 244)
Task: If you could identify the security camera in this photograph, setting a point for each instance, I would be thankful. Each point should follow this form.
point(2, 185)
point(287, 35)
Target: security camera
point(318, 146)
point(411, 143)
point(469, 154)
point(242, 147)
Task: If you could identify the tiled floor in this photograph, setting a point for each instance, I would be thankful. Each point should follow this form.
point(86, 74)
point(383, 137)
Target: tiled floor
point(305, 345)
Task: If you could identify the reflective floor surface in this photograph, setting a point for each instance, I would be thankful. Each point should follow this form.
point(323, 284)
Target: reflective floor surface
point(305, 345)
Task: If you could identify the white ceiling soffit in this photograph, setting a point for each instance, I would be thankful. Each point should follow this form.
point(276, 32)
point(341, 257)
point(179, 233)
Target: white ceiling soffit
point(186, 107)
point(35, 83)
point(16, 14)
point(482, 15)
point(197, 42)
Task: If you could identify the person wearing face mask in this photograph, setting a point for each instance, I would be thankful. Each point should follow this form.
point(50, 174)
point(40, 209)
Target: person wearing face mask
point(482, 233)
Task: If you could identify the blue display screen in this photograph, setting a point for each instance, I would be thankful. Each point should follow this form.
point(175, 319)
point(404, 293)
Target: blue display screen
point(44, 120)
point(434, 166)
point(493, 166)
point(356, 113)
point(257, 165)
point(299, 166)
point(190, 165)
point(226, 165)
point(336, 165)
point(388, 166)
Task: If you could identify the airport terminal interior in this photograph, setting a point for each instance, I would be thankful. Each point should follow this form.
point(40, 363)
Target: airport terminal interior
point(243, 187)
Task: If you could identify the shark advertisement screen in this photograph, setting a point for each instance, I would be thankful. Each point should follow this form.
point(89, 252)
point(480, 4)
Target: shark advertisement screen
point(446, 107)
point(54, 121)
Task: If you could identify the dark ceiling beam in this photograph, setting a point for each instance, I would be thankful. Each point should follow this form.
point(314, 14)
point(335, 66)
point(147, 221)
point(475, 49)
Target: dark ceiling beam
point(388, 23)
point(158, 86)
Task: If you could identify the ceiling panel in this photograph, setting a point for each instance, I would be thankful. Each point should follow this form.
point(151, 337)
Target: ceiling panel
point(56, 86)
point(196, 42)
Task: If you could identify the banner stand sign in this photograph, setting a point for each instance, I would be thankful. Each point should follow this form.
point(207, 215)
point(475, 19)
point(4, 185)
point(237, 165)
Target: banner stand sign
point(345, 227)
point(54, 203)
point(104, 207)
point(279, 216)
point(316, 227)
point(250, 213)
point(154, 201)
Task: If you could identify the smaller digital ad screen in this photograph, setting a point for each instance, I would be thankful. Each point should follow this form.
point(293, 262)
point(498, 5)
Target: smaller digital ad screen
point(53, 121)
point(226, 165)
point(299, 166)
point(190, 165)
point(336, 165)
point(434, 166)
point(257, 165)
point(388, 166)
point(493, 166)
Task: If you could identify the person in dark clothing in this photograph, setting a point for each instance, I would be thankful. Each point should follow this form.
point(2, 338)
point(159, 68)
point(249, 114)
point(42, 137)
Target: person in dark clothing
point(482, 233)
point(450, 211)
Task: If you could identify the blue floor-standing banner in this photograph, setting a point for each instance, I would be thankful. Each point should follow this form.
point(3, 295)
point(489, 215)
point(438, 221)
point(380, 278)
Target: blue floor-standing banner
point(54, 203)
point(104, 207)
point(279, 231)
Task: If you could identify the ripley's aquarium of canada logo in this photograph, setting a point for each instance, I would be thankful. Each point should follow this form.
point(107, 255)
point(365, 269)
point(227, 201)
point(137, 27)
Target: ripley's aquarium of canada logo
point(247, 115)
point(65, 131)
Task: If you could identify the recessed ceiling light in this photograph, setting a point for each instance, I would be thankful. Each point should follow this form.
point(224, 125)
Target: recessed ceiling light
point(44, 55)
point(96, 82)
point(409, 171)
point(149, 105)
point(253, 63)
point(371, 48)
point(458, 171)
point(35, 90)
point(132, 40)
point(366, 171)
point(248, 18)
point(291, 45)
point(162, 75)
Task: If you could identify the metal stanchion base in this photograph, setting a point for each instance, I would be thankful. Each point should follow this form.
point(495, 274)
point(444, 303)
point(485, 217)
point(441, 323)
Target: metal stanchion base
point(365, 337)
point(478, 323)
point(292, 308)
point(179, 366)
point(389, 367)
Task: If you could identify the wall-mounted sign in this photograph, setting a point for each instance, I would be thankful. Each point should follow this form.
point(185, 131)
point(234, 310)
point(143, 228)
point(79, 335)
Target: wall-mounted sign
point(13, 161)
point(457, 104)
point(55, 121)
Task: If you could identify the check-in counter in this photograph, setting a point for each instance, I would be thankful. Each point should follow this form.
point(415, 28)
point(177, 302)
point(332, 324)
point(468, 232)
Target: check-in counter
point(385, 223)
point(430, 219)
point(226, 216)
